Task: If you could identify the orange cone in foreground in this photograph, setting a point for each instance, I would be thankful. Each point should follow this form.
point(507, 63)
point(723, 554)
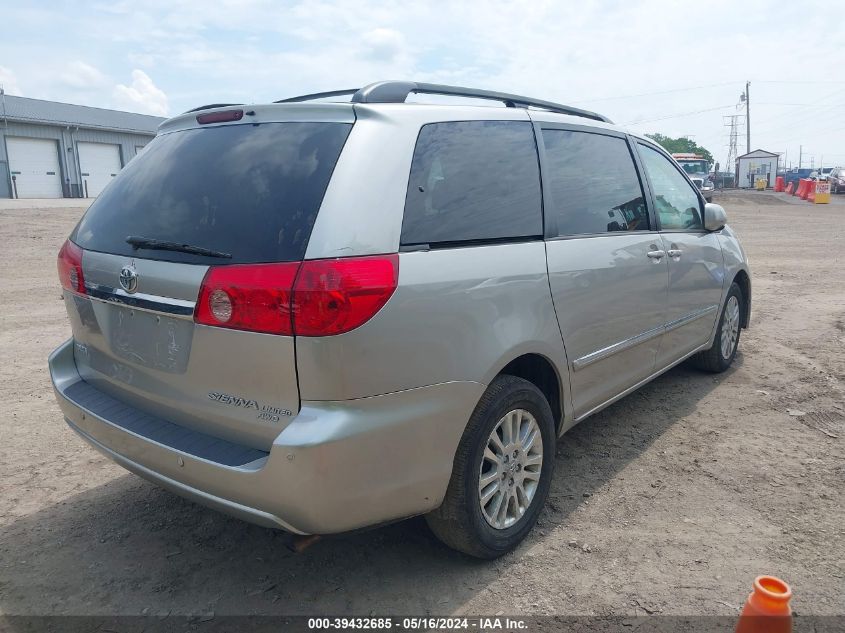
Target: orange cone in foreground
point(767, 608)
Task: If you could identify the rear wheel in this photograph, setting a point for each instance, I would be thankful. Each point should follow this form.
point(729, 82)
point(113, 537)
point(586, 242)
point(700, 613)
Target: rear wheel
point(502, 471)
point(721, 354)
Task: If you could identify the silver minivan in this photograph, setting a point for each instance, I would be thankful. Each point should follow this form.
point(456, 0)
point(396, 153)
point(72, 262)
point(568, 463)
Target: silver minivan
point(321, 316)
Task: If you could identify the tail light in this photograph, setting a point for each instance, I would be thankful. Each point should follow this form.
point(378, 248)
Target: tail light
point(255, 297)
point(70, 268)
point(333, 296)
point(314, 298)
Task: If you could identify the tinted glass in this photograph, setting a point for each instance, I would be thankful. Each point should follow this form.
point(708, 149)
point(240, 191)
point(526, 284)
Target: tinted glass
point(593, 183)
point(250, 190)
point(473, 180)
point(678, 205)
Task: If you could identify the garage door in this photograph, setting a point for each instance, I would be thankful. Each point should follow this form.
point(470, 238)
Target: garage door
point(99, 163)
point(34, 164)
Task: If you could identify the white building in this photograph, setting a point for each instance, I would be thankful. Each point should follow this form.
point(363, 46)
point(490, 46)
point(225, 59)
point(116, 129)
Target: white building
point(59, 150)
point(754, 165)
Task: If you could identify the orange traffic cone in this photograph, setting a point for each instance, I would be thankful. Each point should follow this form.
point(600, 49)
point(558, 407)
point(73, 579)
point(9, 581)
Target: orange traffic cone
point(767, 608)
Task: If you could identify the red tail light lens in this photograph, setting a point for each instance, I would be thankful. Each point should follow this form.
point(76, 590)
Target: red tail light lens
point(337, 295)
point(248, 297)
point(314, 298)
point(70, 268)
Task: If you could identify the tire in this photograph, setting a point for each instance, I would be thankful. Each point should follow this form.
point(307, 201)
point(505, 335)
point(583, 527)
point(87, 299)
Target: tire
point(461, 522)
point(713, 359)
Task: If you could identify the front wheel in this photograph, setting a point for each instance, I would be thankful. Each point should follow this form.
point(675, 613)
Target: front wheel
point(502, 471)
point(721, 354)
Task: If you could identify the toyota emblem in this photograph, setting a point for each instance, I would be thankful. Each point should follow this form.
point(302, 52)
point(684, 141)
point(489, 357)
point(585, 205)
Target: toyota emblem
point(129, 278)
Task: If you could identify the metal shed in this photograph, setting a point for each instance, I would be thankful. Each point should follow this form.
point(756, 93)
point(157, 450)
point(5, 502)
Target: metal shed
point(756, 164)
point(54, 150)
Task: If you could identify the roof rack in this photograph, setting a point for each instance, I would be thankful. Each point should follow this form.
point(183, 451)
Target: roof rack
point(398, 91)
point(319, 95)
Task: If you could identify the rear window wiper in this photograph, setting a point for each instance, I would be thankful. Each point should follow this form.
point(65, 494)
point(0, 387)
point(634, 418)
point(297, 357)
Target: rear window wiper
point(161, 245)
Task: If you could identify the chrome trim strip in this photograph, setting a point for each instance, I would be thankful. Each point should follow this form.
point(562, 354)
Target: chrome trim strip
point(141, 301)
point(621, 346)
point(622, 394)
point(692, 316)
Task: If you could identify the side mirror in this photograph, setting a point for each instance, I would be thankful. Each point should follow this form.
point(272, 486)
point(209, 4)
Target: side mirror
point(715, 217)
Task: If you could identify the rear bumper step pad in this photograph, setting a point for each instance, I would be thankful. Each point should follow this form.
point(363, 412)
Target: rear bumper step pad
point(156, 429)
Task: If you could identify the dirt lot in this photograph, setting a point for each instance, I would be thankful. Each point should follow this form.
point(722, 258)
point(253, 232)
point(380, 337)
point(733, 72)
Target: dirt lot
point(669, 502)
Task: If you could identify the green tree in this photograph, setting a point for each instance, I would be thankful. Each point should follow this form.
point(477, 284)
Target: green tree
point(680, 145)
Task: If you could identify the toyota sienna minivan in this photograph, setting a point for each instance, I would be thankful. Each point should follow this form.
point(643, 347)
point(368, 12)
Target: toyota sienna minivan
point(321, 316)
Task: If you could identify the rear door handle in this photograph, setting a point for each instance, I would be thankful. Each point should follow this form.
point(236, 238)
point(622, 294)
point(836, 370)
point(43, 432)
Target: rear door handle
point(656, 254)
point(674, 252)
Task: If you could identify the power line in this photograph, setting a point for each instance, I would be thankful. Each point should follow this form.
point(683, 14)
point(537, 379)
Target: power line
point(661, 92)
point(814, 104)
point(723, 83)
point(680, 114)
point(791, 81)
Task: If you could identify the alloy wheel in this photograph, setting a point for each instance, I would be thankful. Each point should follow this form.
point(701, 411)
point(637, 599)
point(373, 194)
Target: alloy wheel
point(510, 469)
point(730, 327)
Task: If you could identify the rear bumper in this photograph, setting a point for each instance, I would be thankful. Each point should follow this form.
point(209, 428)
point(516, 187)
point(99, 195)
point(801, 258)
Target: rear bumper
point(337, 466)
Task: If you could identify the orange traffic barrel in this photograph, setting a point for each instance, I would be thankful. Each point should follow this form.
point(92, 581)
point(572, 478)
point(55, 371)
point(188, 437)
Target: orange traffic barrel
point(767, 608)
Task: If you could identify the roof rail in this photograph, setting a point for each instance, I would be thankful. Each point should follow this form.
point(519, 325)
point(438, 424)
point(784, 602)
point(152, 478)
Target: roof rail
point(398, 91)
point(319, 95)
point(212, 105)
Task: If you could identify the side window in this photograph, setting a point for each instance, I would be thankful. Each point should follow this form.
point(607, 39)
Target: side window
point(593, 183)
point(473, 180)
point(678, 205)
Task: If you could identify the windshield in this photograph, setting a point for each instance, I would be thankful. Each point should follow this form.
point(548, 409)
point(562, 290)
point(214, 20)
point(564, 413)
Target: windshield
point(695, 166)
point(252, 191)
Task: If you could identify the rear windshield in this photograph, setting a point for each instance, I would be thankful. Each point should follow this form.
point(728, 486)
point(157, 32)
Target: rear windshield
point(252, 191)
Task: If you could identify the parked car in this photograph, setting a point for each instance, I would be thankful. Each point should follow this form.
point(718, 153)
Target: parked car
point(325, 316)
point(821, 174)
point(837, 180)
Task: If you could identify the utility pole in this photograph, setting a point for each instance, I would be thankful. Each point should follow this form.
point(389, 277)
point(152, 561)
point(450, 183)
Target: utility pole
point(747, 116)
point(800, 155)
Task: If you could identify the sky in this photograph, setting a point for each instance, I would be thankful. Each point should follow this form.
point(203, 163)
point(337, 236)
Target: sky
point(677, 68)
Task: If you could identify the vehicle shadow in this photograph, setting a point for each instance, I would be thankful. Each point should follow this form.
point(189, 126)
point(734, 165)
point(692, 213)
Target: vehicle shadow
point(128, 547)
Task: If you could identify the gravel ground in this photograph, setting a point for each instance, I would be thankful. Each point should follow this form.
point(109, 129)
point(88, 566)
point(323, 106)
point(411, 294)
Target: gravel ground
point(669, 502)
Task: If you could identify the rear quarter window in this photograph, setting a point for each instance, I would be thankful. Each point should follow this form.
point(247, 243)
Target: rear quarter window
point(473, 180)
point(253, 191)
point(593, 184)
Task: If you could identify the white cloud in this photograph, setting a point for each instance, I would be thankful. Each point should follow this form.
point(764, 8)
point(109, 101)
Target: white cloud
point(383, 44)
point(9, 81)
point(82, 76)
point(263, 50)
point(142, 95)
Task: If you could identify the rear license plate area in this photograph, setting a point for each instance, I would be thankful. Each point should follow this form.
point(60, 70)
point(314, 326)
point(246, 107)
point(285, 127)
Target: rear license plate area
point(150, 340)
